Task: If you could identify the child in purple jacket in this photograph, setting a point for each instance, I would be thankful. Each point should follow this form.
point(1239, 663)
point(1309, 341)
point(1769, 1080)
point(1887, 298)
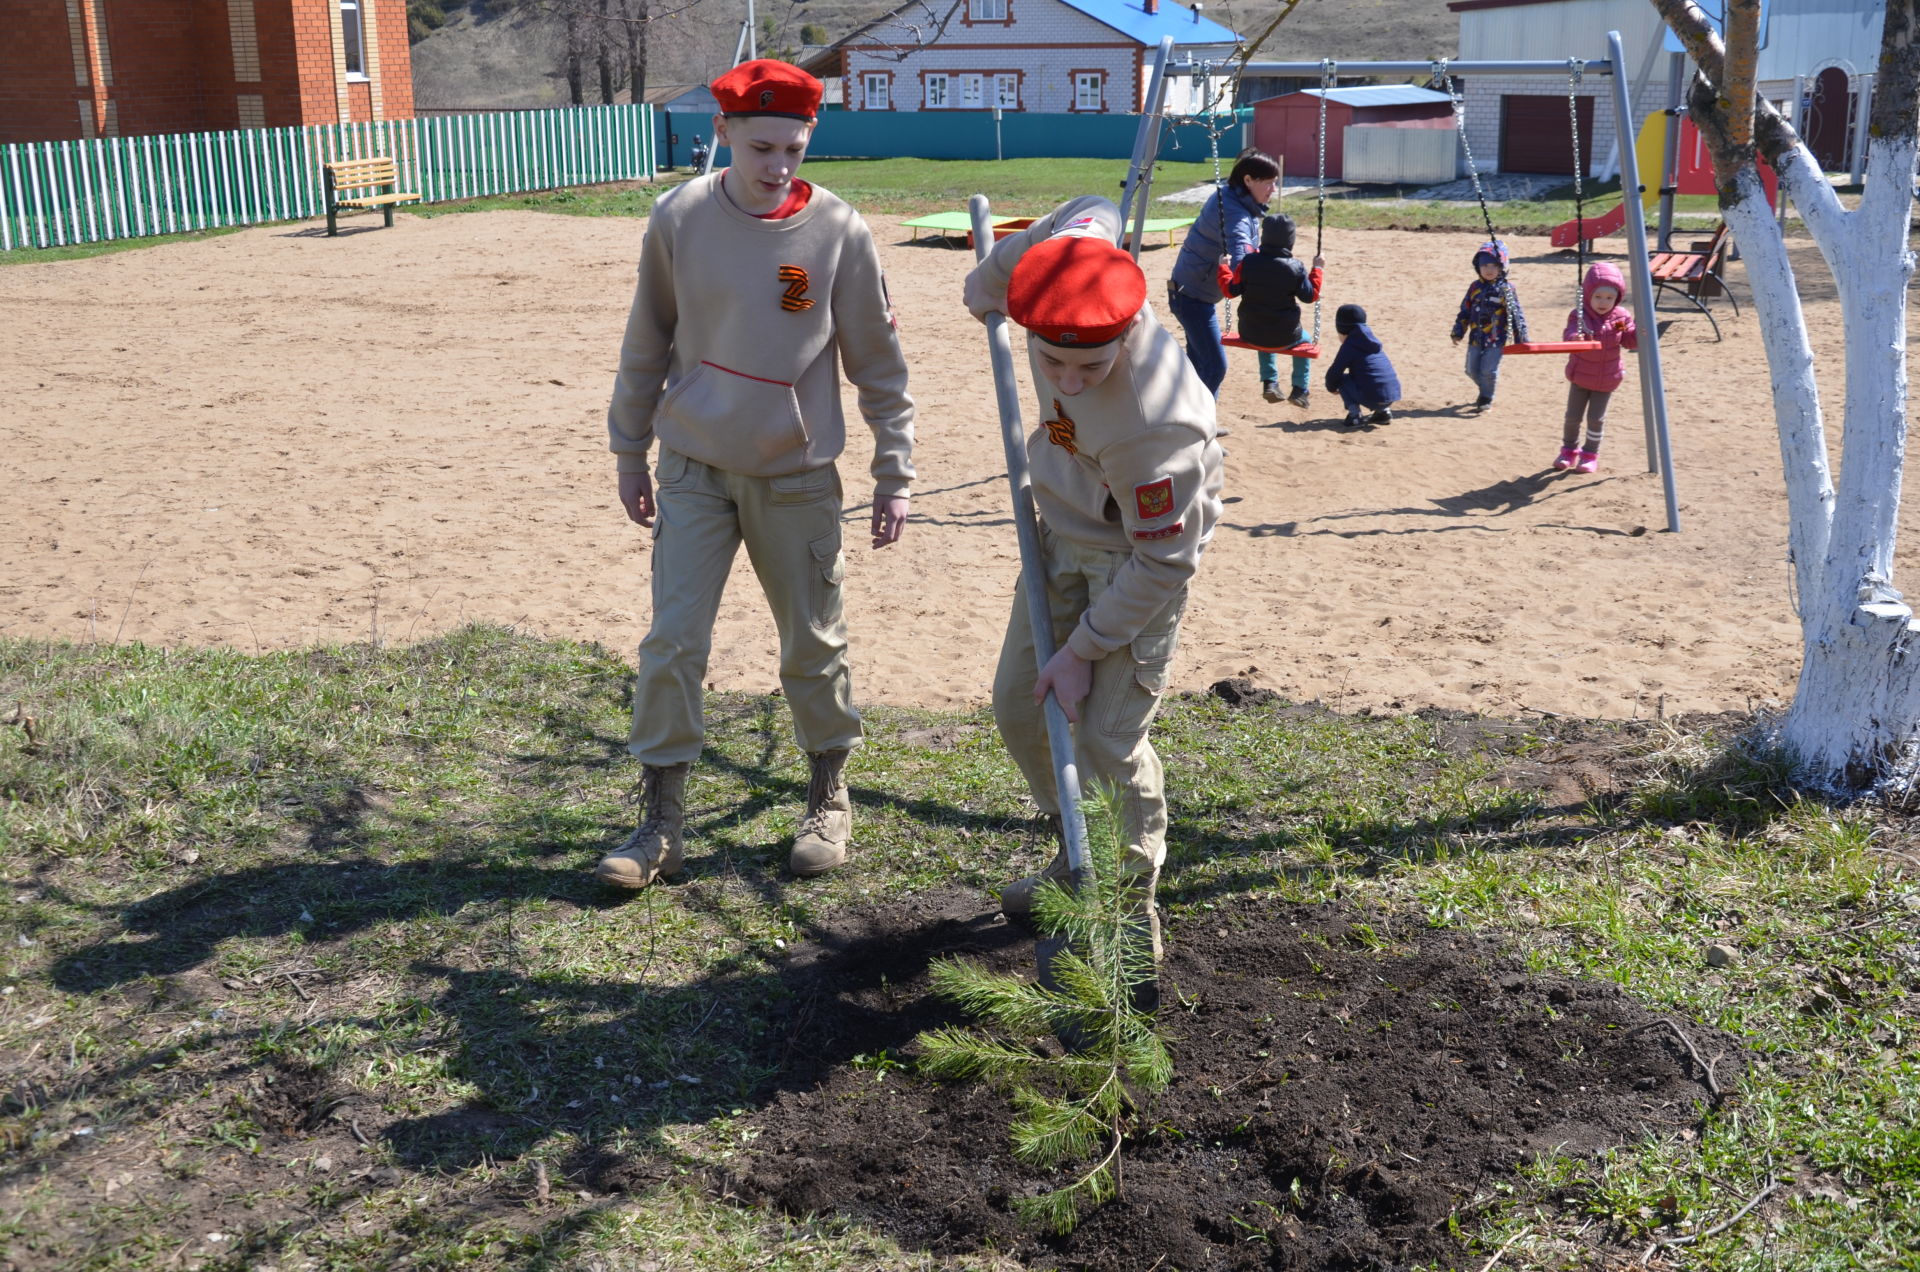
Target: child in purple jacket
point(1593, 375)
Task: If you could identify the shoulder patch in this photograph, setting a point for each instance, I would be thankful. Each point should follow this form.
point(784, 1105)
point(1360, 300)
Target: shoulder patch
point(1164, 532)
point(1154, 498)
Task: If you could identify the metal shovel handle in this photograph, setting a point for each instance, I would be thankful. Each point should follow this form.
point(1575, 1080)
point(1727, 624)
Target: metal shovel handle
point(1013, 438)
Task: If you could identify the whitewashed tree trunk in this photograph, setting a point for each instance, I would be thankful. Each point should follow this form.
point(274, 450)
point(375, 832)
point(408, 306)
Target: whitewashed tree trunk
point(1856, 710)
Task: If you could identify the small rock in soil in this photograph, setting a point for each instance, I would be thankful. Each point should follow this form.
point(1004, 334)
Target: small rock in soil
point(1722, 955)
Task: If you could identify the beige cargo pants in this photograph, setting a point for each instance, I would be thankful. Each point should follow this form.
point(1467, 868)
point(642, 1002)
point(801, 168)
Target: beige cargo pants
point(1110, 743)
point(791, 526)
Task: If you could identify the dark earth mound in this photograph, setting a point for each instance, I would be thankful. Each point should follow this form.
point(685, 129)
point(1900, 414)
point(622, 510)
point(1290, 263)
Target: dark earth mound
point(1344, 1085)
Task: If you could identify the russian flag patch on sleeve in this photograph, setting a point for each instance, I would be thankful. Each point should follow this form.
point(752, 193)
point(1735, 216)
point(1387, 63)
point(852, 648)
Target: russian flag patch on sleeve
point(1154, 498)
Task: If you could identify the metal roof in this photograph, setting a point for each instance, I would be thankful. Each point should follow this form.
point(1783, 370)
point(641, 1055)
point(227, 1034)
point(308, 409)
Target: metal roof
point(1130, 18)
point(1381, 95)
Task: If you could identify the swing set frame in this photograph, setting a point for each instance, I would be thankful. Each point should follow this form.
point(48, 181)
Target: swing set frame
point(1653, 393)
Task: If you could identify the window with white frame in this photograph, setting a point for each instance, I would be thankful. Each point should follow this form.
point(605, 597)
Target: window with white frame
point(1006, 91)
point(1086, 90)
point(875, 86)
point(988, 10)
point(937, 98)
point(351, 38)
point(972, 96)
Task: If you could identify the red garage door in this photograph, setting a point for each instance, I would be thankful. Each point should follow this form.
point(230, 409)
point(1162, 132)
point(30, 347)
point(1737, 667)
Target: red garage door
point(1535, 135)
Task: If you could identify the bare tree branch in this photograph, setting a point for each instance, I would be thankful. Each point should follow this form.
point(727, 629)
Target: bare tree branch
point(1743, 67)
point(935, 22)
point(1772, 136)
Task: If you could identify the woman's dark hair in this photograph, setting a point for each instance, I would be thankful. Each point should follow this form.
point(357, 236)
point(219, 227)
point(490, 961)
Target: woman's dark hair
point(1252, 165)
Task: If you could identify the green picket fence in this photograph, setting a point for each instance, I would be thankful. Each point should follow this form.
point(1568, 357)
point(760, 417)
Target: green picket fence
point(53, 193)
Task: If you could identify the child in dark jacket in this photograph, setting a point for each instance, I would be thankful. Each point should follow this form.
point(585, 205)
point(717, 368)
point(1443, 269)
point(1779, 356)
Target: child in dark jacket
point(1593, 375)
point(1272, 285)
point(1484, 321)
point(1361, 374)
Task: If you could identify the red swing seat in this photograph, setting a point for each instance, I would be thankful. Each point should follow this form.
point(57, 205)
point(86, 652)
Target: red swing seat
point(1553, 346)
point(1305, 349)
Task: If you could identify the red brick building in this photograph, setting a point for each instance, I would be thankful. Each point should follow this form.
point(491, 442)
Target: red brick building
point(91, 68)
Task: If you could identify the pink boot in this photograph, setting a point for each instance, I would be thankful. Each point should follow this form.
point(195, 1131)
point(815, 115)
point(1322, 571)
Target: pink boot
point(1569, 456)
point(1589, 462)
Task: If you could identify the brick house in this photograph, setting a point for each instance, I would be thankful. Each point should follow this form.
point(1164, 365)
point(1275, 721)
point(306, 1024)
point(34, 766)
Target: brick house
point(90, 68)
point(1048, 56)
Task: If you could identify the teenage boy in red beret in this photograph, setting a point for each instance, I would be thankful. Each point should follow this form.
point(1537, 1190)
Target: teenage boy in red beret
point(1126, 477)
point(755, 288)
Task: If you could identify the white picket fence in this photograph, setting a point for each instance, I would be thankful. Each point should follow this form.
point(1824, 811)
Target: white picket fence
point(53, 193)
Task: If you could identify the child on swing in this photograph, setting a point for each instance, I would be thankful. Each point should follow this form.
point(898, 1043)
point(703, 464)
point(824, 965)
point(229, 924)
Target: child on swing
point(1593, 374)
point(1484, 322)
point(1272, 285)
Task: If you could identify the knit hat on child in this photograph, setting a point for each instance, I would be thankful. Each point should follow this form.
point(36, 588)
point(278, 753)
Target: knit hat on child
point(1348, 317)
point(1494, 253)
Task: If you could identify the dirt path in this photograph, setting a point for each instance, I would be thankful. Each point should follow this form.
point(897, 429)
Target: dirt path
point(273, 439)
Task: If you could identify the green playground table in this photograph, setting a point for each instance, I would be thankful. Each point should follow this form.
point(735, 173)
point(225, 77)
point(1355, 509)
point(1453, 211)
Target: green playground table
point(948, 225)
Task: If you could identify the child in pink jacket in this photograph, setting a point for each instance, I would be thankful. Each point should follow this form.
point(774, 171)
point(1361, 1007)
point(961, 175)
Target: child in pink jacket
point(1594, 374)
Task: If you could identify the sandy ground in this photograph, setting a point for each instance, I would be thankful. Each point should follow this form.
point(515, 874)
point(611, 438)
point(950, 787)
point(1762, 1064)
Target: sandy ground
point(274, 439)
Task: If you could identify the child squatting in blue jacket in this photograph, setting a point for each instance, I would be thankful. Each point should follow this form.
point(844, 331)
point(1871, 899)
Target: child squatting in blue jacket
point(1361, 374)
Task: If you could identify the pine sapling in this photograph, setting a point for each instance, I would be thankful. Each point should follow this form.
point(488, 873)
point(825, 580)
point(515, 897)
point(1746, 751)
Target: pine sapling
point(1073, 1107)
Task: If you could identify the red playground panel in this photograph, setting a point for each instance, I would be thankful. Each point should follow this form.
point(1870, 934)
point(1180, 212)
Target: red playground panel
point(1606, 224)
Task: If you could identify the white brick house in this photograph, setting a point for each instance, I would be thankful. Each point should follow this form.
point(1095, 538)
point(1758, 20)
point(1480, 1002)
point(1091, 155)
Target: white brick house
point(1045, 56)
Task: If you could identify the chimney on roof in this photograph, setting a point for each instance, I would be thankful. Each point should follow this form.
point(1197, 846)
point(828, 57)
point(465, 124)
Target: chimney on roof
point(1150, 6)
point(1196, 11)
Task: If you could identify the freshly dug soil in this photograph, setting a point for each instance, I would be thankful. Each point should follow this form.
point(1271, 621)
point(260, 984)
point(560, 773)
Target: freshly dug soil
point(1334, 1101)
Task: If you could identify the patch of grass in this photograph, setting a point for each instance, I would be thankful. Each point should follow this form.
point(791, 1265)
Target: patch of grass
point(252, 905)
point(81, 251)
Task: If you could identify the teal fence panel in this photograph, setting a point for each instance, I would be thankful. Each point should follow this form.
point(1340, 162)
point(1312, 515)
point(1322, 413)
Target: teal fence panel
point(55, 193)
point(854, 134)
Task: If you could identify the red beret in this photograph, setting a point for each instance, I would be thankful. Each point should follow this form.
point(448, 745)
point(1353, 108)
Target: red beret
point(1076, 291)
point(767, 87)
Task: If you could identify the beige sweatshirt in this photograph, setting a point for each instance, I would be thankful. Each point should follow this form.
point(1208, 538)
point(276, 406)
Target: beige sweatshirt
point(737, 331)
point(1130, 464)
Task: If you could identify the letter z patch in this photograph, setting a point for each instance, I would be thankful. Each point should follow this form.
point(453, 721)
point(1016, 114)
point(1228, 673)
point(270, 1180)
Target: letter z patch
point(795, 298)
point(1153, 499)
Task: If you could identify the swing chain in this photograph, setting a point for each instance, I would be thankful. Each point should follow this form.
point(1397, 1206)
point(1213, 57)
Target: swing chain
point(1575, 69)
point(1327, 80)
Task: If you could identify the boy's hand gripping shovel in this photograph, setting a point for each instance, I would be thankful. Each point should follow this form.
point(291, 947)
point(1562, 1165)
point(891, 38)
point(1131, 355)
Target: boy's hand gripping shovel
point(1066, 772)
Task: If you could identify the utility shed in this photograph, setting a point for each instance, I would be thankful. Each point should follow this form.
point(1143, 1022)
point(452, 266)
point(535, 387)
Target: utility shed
point(1288, 127)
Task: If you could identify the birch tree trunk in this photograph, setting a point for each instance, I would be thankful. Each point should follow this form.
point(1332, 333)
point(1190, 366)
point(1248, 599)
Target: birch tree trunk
point(1856, 711)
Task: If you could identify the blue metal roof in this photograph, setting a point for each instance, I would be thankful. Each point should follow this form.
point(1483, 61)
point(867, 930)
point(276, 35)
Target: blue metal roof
point(1130, 18)
point(1380, 95)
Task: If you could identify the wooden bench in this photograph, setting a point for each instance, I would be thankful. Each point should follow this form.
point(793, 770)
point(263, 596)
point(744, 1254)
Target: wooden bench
point(1694, 274)
point(347, 175)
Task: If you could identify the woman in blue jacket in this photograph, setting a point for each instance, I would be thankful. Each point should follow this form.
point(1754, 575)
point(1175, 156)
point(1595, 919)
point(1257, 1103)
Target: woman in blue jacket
point(1227, 228)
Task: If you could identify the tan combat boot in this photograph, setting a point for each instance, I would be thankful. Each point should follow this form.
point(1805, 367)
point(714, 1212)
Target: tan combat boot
point(655, 849)
point(822, 842)
point(1016, 899)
